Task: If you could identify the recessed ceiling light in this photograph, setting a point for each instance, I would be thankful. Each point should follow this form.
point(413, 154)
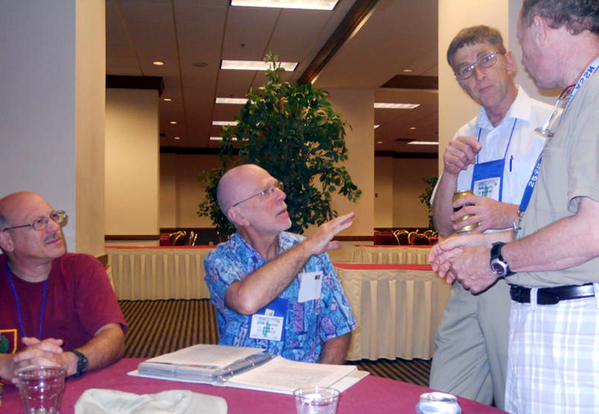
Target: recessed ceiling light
point(236, 101)
point(379, 142)
point(408, 70)
point(224, 123)
point(412, 128)
point(383, 105)
point(167, 99)
point(288, 4)
point(423, 143)
point(255, 65)
point(173, 122)
point(376, 126)
point(158, 63)
point(176, 137)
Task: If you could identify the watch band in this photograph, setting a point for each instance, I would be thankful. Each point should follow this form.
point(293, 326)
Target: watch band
point(82, 363)
point(497, 257)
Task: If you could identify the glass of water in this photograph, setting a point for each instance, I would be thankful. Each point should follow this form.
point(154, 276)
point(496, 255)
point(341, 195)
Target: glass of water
point(316, 400)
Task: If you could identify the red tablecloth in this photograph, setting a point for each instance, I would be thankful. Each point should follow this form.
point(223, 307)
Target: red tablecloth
point(371, 395)
point(160, 247)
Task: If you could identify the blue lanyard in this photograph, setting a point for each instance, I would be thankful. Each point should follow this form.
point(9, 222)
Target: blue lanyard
point(508, 142)
point(583, 78)
point(530, 186)
point(14, 291)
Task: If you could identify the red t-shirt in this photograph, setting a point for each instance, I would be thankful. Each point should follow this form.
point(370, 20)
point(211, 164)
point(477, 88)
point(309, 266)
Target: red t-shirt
point(79, 301)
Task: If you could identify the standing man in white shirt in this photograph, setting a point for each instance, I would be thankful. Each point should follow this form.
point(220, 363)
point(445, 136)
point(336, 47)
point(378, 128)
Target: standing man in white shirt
point(493, 155)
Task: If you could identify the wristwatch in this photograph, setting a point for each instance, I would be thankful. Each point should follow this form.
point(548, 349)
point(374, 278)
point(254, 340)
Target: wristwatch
point(499, 266)
point(82, 363)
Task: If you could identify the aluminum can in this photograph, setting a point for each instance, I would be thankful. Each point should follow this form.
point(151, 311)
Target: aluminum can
point(438, 403)
point(456, 196)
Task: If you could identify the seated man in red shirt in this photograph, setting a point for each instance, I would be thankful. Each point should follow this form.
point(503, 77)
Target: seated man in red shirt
point(58, 308)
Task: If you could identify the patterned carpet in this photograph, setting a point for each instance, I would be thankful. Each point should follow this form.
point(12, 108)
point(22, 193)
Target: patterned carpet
point(160, 326)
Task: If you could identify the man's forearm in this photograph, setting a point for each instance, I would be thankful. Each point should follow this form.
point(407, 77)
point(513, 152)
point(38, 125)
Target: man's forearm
point(106, 347)
point(443, 206)
point(567, 242)
point(334, 351)
point(265, 284)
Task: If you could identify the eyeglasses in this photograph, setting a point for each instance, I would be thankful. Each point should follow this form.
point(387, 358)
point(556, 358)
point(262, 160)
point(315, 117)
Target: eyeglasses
point(485, 61)
point(559, 105)
point(266, 193)
point(40, 223)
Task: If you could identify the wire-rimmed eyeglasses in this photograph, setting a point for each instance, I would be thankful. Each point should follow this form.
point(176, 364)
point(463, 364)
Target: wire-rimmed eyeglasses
point(40, 223)
point(266, 193)
point(545, 130)
point(465, 70)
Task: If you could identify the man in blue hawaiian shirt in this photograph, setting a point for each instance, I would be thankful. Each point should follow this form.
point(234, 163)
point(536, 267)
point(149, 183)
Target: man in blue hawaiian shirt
point(273, 289)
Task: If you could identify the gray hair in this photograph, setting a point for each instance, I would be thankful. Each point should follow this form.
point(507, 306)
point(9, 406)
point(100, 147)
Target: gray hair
point(576, 15)
point(474, 35)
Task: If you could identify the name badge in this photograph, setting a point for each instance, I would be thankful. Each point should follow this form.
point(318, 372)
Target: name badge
point(487, 188)
point(310, 286)
point(269, 322)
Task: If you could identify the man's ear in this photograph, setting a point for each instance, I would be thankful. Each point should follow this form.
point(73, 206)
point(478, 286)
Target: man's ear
point(510, 63)
point(237, 217)
point(539, 30)
point(6, 243)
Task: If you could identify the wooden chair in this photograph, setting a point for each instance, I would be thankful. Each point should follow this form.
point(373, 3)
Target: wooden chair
point(402, 237)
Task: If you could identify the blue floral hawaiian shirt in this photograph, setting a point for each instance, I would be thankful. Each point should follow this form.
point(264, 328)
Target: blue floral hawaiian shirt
point(306, 324)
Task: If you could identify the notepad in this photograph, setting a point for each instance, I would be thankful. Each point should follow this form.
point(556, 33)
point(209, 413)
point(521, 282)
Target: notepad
point(249, 368)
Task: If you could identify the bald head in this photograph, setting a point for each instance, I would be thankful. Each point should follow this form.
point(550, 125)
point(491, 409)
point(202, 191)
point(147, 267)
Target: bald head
point(14, 205)
point(235, 185)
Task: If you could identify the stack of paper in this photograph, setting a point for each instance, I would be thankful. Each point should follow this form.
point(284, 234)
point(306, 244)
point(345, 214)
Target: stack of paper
point(249, 368)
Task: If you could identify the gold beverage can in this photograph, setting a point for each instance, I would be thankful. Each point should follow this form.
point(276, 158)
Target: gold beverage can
point(456, 196)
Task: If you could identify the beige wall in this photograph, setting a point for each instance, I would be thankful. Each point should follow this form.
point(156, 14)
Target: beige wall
point(132, 170)
point(383, 191)
point(180, 191)
point(408, 184)
point(90, 99)
point(357, 108)
point(52, 101)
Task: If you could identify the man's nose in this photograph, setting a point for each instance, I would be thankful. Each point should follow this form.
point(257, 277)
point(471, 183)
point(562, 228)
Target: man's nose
point(479, 73)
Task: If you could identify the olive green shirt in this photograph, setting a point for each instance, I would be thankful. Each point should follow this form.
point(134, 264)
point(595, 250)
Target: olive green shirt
point(569, 171)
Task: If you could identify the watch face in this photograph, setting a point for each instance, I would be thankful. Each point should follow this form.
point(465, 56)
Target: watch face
point(498, 268)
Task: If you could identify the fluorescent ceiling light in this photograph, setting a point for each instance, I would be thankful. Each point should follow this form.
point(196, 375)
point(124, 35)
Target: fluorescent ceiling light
point(288, 4)
point(382, 105)
point(167, 99)
point(423, 143)
point(255, 65)
point(224, 123)
point(235, 101)
point(158, 63)
point(221, 138)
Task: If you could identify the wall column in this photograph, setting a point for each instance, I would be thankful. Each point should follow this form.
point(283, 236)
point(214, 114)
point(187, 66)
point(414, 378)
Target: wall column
point(52, 110)
point(132, 165)
point(357, 108)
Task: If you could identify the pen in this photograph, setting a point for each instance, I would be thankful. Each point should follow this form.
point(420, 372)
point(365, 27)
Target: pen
point(511, 159)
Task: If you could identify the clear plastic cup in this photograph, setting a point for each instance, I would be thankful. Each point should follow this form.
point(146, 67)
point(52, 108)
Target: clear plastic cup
point(316, 400)
point(41, 389)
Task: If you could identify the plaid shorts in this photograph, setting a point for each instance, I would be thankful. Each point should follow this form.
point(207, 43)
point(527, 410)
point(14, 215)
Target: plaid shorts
point(553, 362)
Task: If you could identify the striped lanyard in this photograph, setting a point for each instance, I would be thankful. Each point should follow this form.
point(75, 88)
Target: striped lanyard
point(14, 291)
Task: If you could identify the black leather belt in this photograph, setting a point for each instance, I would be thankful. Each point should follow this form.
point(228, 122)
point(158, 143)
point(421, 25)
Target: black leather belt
point(551, 296)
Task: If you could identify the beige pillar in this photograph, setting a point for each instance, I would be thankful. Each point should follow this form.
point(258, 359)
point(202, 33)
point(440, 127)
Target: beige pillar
point(52, 110)
point(357, 108)
point(132, 163)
